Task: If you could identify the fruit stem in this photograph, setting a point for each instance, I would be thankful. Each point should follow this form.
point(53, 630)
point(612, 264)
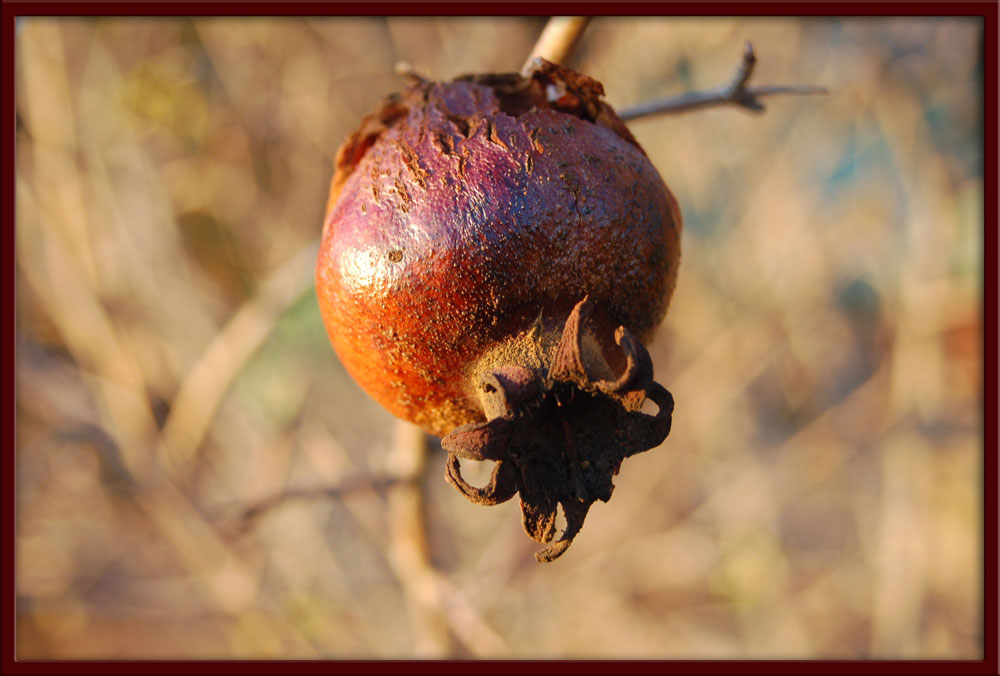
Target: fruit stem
point(557, 41)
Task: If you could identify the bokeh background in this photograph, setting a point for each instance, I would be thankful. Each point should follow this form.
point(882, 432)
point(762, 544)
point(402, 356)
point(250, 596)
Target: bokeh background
point(820, 495)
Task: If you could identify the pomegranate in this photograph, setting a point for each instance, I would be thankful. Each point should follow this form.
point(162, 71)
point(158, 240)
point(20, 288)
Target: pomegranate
point(495, 251)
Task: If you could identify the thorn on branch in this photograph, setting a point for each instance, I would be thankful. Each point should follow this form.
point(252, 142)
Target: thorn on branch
point(745, 70)
point(736, 92)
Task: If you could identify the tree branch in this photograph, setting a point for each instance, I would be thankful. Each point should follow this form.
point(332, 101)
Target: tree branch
point(736, 92)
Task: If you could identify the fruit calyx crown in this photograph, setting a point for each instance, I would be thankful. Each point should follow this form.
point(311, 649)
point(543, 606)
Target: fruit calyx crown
point(559, 435)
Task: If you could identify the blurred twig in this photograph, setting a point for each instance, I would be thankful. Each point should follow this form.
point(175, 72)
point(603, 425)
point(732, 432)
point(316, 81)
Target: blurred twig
point(247, 516)
point(408, 551)
point(735, 92)
point(56, 266)
point(438, 608)
point(868, 396)
point(208, 380)
point(558, 40)
point(435, 604)
point(94, 343)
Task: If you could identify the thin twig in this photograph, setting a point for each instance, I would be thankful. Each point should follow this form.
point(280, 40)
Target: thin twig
point(247, 516)
point(736, 92)
point(557, 41)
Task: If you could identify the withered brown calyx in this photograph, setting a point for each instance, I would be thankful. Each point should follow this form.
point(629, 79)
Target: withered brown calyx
point(560, 436)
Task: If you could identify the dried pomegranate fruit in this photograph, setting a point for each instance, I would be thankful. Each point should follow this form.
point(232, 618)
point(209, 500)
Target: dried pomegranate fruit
point(495, 250)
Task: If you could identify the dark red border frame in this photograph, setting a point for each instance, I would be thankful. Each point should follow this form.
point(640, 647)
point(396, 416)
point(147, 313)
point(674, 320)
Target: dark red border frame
point(987, 10)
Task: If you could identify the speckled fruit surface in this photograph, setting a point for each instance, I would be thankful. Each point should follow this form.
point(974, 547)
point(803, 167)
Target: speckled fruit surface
point(461, 211)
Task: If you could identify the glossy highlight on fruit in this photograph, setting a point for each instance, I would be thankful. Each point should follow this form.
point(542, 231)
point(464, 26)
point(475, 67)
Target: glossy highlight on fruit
point(495, 248)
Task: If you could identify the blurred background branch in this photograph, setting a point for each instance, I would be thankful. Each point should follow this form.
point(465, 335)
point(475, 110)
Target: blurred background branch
point(209, 379)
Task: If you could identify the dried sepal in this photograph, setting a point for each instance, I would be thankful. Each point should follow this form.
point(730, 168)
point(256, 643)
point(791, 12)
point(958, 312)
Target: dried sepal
point(501, 487)
point(561, 438)
point(567, 364)
point(479, 441)
point(638, 374)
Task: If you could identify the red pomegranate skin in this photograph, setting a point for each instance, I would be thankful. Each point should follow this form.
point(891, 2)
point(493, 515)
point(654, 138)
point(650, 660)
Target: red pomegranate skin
point(452, 225)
